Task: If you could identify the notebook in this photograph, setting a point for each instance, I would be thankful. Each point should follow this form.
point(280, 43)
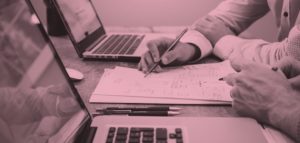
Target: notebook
point(90, 39)
point(39, 103)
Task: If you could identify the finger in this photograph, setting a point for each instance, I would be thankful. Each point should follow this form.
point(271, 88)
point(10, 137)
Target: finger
point(210, 18)
point(235, 93)
point(153, 48)
point(231, 79)
point(149, 61)
point(170, 57)
point(60, 90)
point(139, 66)
point(158, 69)
point(289, 66)
point(239, 107)
point(238, 63)
point(295, 82)
point(143, 64)
point(67, 106)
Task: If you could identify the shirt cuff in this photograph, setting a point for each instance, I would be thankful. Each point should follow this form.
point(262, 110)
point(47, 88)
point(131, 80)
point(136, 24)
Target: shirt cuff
point(196, 38)
point(225, 46)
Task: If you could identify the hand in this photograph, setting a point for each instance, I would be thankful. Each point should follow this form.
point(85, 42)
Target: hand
point(261, 93)
point(291, 68)
point(58, 100)
point(181, 54)
point(212, 28)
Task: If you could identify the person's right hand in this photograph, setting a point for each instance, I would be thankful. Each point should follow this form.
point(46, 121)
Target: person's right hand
point(291, 68)
point(181, 54)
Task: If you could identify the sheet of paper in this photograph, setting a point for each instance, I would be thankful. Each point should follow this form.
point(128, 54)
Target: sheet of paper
point(186, 82)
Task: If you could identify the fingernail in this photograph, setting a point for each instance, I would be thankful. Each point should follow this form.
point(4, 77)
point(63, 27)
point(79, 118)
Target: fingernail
point(164, 60)
point(155, 59)
point(144, 70)
point(274, 68)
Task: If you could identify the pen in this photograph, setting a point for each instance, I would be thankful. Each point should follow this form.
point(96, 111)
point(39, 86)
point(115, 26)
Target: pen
point(143, 108)
point(169, 49)
point(153, 113)
point(139, 113)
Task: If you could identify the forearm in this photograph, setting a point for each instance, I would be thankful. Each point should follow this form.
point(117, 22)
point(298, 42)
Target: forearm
point(286, 117)
point(253, 49)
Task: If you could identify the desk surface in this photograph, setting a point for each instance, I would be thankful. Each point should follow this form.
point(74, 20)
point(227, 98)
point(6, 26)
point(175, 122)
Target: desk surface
point(93, 71)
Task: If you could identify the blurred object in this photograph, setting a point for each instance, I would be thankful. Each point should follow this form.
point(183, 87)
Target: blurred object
point(55, 25)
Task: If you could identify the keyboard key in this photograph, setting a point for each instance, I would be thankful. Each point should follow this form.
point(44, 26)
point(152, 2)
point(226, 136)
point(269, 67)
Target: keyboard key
point(135, 129)
point(112, 129)
point(135, 45)
point(109, 140)
point(121, 138)
point(148, 134)
point(120, 141)
point(114, 44)
point(122, 131)
point(178, 130)
point(161, 141)
point(172, 136)
point(111, 135)
point(161, 134)
point(104, 46)
point(147, 129)
point(119, 47)
point(134, 140)
point(147, 140)
point(179, 136)
point(179, 141)
point(135, 135)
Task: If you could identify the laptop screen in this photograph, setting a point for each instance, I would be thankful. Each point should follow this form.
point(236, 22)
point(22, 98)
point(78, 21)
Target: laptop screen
point(38, 104)
point(80, 17)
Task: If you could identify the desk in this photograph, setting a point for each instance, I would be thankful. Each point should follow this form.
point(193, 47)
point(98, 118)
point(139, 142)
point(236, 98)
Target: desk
point(93, 71)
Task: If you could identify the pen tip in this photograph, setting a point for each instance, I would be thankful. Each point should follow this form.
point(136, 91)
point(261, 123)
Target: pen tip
point(221, 79)
point(173, 113)
point(175, 108)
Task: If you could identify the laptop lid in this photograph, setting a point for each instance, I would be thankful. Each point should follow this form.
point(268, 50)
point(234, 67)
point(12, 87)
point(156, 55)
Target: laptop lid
point(81, 21)
point(38, 101)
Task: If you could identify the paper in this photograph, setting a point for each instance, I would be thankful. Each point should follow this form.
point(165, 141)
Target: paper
point(186, 82)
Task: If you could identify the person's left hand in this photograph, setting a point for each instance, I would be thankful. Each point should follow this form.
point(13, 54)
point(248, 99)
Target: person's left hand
point(212, 28)
point(258, 91)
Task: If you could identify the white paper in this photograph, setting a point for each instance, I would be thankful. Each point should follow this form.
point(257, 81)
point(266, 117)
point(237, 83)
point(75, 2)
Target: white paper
point(186, 82)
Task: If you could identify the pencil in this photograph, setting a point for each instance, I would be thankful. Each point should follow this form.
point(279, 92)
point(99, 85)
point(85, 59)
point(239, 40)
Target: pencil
point(169, 49)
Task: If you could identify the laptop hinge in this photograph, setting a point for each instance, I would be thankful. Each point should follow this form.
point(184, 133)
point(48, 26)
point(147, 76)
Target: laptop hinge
point(87, 135)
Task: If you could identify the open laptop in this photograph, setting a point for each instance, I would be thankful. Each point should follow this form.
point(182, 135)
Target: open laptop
point(40, 104)
point(89, 38)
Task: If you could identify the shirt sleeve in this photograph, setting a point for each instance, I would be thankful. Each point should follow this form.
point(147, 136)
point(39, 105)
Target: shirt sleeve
point(196, 38)
point(259, 50)
point(238, 15)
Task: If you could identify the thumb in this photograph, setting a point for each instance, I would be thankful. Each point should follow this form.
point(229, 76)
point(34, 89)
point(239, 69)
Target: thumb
point(289, 66)
point(169, 57)
point(295, 82)
point(230, 79)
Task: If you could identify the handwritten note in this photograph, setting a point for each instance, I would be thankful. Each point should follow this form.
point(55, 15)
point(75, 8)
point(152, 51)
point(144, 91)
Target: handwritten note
point(186, 82)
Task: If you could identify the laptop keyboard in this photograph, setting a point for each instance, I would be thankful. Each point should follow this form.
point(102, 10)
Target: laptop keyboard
point(144, 135)
point(120, 44)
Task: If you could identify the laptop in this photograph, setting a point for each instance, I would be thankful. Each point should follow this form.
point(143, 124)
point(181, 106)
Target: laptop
point(90, 39)
point(39, 103)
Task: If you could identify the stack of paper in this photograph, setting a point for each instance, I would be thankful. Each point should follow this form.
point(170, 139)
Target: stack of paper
point(192, 84)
